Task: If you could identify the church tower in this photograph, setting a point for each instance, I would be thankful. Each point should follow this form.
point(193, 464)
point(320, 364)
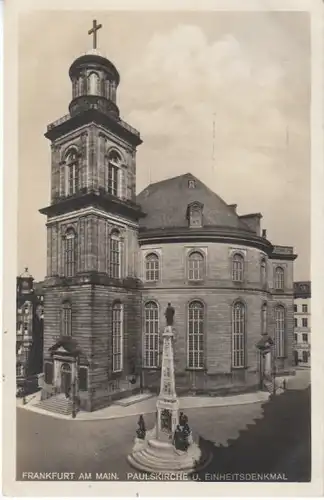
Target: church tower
point(92, 300)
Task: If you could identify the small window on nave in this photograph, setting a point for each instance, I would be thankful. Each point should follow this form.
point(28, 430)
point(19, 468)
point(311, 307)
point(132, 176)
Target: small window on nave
point(152, 267)
point(237, 267)
point(196, 266)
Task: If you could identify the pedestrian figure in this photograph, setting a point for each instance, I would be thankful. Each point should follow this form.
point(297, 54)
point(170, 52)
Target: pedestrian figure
point(141, 431)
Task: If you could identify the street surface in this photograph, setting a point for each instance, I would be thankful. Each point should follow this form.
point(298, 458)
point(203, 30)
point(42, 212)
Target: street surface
point(249, 438)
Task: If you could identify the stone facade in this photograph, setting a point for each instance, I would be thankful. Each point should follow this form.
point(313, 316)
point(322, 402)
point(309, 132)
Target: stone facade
point(110, 253)
point(218, 293)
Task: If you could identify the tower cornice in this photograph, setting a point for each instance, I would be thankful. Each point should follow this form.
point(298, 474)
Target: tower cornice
point(99, 199)
point(93, 114)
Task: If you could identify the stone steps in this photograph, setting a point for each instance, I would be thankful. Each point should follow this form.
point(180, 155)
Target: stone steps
point(56, 404)
point(156, 456)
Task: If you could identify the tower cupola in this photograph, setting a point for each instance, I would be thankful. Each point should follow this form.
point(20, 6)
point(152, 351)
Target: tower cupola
point(94, 81)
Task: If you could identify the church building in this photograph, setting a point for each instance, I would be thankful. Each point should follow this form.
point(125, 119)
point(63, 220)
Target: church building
point(116, 259)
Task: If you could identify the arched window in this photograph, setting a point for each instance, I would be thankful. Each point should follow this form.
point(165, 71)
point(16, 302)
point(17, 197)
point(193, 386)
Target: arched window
point(264, 318)
point(107, 89)
point(112, 167)
point(195, 346)
point(237, 267)
point(152, 267)
point(70, 253)
point(81, 85)
point(238, 335)
point(280, 331)
point(72, 172)
point(279, 278)
point(117, 337)
point(151, 335)
point(113, 91)
point(263, 272)
point(93, 84)
point(74, 89)
point(195, 266)
point(66, 319)
point(115, 254)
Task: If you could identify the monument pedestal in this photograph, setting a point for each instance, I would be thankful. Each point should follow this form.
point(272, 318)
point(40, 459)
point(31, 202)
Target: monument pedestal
point(157, 453)
point(153, 455)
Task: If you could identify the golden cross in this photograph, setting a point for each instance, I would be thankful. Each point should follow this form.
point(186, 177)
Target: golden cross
point(94, 29)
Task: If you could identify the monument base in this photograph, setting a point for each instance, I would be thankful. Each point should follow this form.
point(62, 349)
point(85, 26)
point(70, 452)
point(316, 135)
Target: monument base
point(153, 455)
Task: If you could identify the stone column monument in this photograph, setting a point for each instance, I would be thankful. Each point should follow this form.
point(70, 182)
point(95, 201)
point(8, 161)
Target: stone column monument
point(157, 452)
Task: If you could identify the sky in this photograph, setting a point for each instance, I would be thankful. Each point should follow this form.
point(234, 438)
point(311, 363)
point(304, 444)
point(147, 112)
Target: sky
point(223, 95)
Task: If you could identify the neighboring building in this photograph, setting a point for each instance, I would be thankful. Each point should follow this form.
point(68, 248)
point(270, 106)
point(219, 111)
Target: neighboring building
point(302, 321)
point(30, 327)
point(115, 260)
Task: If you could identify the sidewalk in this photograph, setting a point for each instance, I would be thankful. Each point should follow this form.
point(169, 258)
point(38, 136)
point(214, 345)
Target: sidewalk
point(299, 381)
point(148, 406)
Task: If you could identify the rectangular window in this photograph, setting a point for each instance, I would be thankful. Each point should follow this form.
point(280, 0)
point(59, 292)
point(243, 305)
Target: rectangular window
point(48, 373)
point(295, 308)
point(196, 335)
point(296, 337)
point(304, 308)
point(305, 337)
point(280, 331)
point(296, 322)
point(117, 338)
point(114, 256)
point(305, 322)
point(73, 179)
point(67, 320)
point(112, 185)
point(83, 378)
point(152, 267)
point(238, 336)
point(151, 335)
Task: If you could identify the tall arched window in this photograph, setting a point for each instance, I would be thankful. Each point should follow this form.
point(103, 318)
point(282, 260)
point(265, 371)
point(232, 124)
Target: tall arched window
point(196, 264)
point(238, 335)
point(152, 267)
point(279, 278)
point(66, 319)
point(115, 254)
point(81, 85)
point(237, 267)
point(151, 335)
point(263, 272)
point(117, 337)
point(112, 167)
point(70, 253)
point(93, 84)
point(280, 331)
point(264, 318)
point(195, 346)
point(72, 172)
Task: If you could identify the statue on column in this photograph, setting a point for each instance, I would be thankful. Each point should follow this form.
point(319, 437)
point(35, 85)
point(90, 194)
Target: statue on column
point(169, 314)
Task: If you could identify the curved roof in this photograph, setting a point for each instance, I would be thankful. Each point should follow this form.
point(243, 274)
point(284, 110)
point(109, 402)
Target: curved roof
point(166, 203)
point(93, 59)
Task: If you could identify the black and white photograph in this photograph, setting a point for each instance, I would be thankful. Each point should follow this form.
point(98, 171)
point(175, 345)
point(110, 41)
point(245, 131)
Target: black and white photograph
point(163, 285)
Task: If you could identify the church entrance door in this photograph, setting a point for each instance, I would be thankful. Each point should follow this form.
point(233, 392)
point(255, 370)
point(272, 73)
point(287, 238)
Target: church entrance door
point(65, 378)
